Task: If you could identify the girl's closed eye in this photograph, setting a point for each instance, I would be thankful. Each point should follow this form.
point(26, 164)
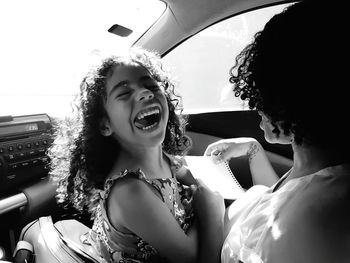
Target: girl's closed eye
point(153, 87)
point(123, 94)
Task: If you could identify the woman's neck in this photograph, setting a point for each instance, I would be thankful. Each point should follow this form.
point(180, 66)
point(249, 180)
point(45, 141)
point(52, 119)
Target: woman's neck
point(150, 160)
point(310, 159)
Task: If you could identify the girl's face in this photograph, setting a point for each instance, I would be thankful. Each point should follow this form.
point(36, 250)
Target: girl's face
point(271, 137)
point(136, 107)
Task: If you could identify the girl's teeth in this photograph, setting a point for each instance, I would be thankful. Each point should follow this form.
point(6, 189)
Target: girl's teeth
point(142, 115)
point(149, 127)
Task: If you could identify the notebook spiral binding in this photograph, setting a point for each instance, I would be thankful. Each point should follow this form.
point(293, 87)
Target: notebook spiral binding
point(234, 178)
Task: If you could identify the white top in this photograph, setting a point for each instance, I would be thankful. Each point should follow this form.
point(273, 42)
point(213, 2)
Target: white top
point(305, 220)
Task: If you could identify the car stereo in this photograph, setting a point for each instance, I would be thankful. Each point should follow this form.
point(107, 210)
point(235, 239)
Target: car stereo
point(23, 144)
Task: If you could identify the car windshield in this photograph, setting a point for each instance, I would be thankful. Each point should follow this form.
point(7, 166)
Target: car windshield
point(47, 45)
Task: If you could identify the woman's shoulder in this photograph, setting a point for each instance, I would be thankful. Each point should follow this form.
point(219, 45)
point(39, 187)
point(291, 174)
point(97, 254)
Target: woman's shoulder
point(323, 188)
point(327, 201)
point(316, 220)
point(325, 194)
point(329, 186)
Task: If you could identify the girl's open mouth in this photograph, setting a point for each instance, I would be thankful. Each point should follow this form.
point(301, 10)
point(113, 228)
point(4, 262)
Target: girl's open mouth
point(148, 118)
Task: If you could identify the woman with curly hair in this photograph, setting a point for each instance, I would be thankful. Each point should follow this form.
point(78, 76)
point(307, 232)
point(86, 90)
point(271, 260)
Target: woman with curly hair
point(292, 75)
point(120, 160)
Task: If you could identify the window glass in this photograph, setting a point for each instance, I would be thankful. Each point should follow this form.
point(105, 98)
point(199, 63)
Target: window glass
point(47, 46)
point(201, 64)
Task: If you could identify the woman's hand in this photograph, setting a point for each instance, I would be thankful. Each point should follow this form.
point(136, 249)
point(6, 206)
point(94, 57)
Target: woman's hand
point(260, 167)
point(231, 148)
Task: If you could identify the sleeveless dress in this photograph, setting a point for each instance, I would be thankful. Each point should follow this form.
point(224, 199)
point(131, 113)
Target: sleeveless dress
point(116, 246)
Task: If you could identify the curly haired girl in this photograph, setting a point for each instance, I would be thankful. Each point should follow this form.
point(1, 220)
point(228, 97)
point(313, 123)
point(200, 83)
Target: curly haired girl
point(120, 160)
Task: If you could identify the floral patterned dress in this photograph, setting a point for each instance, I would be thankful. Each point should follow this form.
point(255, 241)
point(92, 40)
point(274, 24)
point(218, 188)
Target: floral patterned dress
point(116, 246)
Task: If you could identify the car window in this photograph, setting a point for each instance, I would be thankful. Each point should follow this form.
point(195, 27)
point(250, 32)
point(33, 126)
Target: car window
point(202, 63)
point(46, 47)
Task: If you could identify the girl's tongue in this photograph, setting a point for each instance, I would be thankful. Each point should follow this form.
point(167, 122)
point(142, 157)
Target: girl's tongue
point(147, 121)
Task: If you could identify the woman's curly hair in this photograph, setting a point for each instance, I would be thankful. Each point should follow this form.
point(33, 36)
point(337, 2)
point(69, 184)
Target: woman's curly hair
point(81, 157)
point(291, 72)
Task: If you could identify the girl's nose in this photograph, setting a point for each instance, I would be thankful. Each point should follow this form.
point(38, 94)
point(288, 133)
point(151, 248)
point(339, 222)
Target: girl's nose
point(144, 94)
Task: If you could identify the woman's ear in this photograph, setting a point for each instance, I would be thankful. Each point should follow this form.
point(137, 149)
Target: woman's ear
point(105, 128)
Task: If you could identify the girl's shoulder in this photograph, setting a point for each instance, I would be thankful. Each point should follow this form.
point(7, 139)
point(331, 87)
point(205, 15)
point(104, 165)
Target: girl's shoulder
point(123, 179)
point(124, 194)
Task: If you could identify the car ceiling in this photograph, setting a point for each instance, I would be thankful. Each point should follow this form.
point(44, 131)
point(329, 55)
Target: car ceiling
point(184, 18)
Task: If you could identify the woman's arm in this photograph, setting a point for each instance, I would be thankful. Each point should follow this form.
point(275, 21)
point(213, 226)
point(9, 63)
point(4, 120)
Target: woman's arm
point(210, 209)
point(261, 169)
point(184, 176)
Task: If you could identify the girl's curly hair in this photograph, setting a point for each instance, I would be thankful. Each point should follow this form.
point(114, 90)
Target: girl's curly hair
point(287, 74)
point(81, 157)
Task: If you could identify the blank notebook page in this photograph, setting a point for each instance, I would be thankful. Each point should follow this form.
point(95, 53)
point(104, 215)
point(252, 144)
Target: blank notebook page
point(217, 176)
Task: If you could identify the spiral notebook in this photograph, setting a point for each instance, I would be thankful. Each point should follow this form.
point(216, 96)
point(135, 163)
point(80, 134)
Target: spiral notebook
point(217, 176)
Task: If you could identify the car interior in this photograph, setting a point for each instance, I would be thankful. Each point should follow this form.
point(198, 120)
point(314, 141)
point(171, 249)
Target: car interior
point(26, 192)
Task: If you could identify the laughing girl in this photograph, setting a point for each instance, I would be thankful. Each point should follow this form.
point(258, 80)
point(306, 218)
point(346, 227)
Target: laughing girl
point(120, 160)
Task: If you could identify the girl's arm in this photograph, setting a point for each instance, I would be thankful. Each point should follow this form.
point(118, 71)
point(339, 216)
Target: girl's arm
point(136, 207)
point(261, 169)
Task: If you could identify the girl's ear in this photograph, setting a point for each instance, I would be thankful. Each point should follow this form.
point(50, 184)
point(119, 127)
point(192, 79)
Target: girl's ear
point(105, 128)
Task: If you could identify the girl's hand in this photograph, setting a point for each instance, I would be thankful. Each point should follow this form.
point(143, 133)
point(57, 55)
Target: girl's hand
point(207, 205)
point(226, 149)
